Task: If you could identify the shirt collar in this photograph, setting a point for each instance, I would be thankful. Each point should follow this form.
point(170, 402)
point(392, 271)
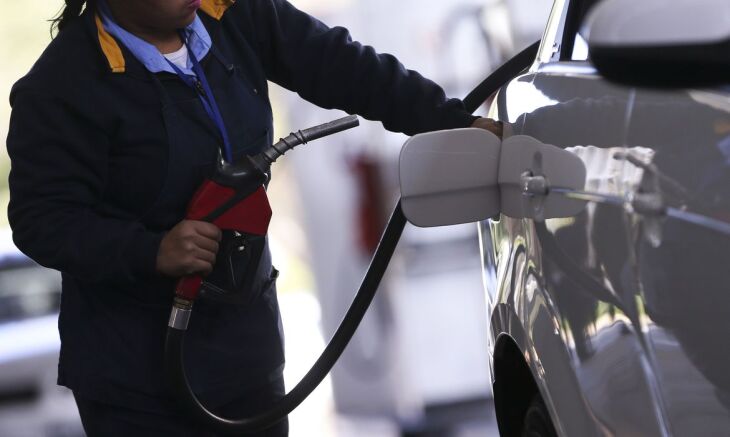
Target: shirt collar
point(198, 40)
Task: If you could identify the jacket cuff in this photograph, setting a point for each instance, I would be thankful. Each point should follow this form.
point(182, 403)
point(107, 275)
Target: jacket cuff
point(455, 116)
point(460, 120)
point(141, 253)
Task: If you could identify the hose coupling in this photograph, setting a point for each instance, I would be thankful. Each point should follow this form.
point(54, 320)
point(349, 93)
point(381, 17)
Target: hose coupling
point(180, 315)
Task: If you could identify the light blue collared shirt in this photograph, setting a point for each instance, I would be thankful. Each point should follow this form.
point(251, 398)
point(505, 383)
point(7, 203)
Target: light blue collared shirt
point(198, 40)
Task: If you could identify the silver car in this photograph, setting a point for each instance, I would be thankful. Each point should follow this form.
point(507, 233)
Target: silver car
point(604, 248)
point(31, 404)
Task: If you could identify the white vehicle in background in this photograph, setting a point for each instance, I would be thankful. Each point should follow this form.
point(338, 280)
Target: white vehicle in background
point(31, 404)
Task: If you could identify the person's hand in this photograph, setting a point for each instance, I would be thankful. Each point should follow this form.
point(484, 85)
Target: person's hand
point(189, 248)
point(492, 126)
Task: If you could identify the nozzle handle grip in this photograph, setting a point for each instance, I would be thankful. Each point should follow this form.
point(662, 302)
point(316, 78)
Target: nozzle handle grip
point(330, 128)
point(188, 287)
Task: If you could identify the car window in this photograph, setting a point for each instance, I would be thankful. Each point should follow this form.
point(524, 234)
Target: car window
point(28, 291)
point(575, 47)
point(580, 49)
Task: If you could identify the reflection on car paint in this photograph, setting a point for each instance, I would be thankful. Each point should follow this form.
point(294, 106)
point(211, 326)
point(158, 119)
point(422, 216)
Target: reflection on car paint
point(606, 172)
point(682, 279)
point(529, 98)
point(637, 280)
point(591, 371)
point(621, 310)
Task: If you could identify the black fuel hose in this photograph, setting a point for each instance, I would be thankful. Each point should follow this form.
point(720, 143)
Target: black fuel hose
point(320, 369)
point(175, 369)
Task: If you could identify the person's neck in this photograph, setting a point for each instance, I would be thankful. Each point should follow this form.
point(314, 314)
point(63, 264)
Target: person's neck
point(166, 40)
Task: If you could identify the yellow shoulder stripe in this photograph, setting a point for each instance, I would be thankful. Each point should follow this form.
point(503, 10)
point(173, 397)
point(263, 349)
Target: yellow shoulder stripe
point(111, 48)
point(216, 8)
point(112, 51)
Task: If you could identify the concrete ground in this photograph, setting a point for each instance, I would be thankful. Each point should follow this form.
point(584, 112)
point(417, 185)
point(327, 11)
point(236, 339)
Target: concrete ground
point(55, 415)
point(317, 416)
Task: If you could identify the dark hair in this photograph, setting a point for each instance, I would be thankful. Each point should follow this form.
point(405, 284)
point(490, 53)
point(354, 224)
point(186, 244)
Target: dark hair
point(70, 12)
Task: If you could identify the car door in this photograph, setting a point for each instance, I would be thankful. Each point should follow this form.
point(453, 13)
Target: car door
point(681, 258)
point(569, 281)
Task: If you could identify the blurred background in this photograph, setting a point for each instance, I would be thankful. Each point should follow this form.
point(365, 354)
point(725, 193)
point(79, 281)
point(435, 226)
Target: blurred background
point(419, 364)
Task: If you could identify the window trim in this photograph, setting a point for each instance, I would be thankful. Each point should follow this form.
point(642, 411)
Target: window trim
point(551, 45)
point(570, 30)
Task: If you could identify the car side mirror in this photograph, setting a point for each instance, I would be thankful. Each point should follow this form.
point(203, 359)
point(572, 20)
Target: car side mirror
point(682, 43)
point(468, 175)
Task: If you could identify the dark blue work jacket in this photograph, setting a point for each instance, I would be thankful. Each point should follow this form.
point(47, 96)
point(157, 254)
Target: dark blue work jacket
point(105, 156)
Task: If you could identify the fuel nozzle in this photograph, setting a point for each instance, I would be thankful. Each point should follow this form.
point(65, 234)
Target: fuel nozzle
point(248, 174)
point(275, 151)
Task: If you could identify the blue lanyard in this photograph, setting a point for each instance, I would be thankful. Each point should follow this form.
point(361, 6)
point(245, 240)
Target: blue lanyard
point(202, 88)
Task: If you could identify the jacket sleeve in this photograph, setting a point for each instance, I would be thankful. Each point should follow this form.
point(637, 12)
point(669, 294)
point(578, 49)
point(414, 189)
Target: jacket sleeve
point(325, 66)
point(58, 171)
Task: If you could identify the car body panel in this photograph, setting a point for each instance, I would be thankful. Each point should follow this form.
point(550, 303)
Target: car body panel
point(619, 313)
point(682, 267)
point(583, 355)
point(32, 403)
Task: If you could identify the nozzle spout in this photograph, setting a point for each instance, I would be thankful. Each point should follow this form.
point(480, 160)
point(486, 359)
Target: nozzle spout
point(274, 152)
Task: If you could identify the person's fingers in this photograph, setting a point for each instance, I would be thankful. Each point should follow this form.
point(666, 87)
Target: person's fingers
point(205, 255)
point(189, 248)
point(206, 243)
point(495, 127)
point(208, 230)
point(200, 267)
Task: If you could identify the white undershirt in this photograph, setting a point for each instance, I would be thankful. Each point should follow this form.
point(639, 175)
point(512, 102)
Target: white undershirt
point(179, 57)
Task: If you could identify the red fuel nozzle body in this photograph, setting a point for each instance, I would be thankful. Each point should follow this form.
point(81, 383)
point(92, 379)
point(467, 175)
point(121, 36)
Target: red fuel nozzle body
point(234, 198)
